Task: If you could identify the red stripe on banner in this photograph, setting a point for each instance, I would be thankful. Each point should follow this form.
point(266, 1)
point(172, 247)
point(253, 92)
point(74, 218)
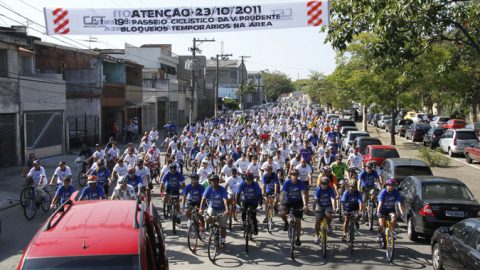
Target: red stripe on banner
point(66, 31)
point(319, 22)
point(314, 17)
point(60, 17)
point(314, 8)
point(311, 3)
point(56, 11)
point(62, 25)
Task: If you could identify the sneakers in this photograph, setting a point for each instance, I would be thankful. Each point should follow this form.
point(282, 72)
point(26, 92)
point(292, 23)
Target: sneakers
point(357, 225)
point(222, 241)
point(265, 220)
point(379, 238)
point(317, 240)
point(298, 243)
point(255, 230)
point(285, 227)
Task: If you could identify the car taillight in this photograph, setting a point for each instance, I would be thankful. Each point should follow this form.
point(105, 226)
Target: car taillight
point(426, 211)
point(455, 141)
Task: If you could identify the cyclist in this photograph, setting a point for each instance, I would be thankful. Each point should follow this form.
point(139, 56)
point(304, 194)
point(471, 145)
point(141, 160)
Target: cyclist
point(325, 160)
point(352, 202)
point(270, 186)
point(204, 173)
point(99, 152)
point(254, 168)
point(112, 155)
point(123, 191)
point(134, 180)
point(192, 196)
point(215, 196)
point(339, 169)
point(355, 160)
point(173, 180)
point(388, 198)
point(130, 159)
point(119, 170)
point(233, 185)
point(102, 173)
point(252, 196)
point(61, 173)
point(324, 199)
point(92, 191)
point(242, 164)
point(63, 192)
point(237, 154)
point(369, 184)
point(227, 169)
point(305, 175)
point(144, 172)
point(38, 178)
point(293, 196)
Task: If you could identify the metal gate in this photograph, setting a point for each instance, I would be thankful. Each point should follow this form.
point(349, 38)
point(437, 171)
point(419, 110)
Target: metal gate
point(8, 136)
point(44, 129)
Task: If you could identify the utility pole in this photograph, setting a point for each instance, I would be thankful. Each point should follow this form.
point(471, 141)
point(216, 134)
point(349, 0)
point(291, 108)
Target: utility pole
point(223, 56)
point(195, 49)
point(241, 80)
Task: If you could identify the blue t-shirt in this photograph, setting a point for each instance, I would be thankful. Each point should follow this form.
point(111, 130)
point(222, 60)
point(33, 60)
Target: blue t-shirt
point(331, 135)
point(92, 194)
point(194, 151)
point(314, 139)
point(269, 181)
point(251, 193)
point(306, 153)
point(173, 180)
point(102, 175)
point(194, 194)
point(351, 200)
point(293, 192)
point(134, 181)
point(236, 155)
point(215, 197)
point(324, 196)
point(389, 199)
point(367, 179)
point(64, 193)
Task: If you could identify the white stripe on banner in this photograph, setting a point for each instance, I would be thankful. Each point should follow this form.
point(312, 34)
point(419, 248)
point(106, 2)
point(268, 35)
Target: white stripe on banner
point(89, 21)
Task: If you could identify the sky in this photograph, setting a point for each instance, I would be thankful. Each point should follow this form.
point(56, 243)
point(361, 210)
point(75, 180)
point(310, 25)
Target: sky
point(294, 51)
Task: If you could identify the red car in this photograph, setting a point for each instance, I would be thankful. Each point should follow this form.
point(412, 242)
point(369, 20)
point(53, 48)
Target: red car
point(379, 153)
point(106, 234)
point(472, 153)
point(455, 123)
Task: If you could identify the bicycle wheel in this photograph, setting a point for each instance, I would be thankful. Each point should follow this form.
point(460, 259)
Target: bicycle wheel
point(390, 246)
point(212, 245)
point(230, 218)
point(173, 218)
point(370, 216)
point(81, 179)
point(324, 240)
point(340, 216)
point(192, 237)
point(30, 209)
point(46, 203)
point(24, 195)
point(166, 210)
point(270, 218)
point(292, 234)
point(248, 231)
point(351, 235)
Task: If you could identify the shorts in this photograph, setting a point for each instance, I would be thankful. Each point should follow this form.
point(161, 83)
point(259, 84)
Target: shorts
point(193, 205)
point(367, 191)
point(307, 185)
point(323, 210)
point(297, 208)
point(385, 213)
point(171, 191)
point(222, 220)
point(350, 210)
point(232, 195)
point(270, 192)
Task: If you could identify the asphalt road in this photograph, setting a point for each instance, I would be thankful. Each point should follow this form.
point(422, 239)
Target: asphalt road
point(268, 251)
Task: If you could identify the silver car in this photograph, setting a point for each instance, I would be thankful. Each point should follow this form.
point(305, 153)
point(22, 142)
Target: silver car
point(453, 141)
point(439, 120)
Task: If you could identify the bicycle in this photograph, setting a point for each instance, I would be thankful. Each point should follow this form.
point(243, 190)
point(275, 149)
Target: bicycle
point(170, 210)
point(233, 211)
point(371, 208)
point(269, 210)
point(82, 174)
point(323, 232)
point(292, 229)
point(388, 240)
point(213, 247)
point(248, 230)
point(32, 203)
point(351, 231)
point(154, 171)
point(194, 230)
point(342, 188)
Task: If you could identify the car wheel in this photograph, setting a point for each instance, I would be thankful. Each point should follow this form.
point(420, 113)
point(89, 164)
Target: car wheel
point(450, 153)
point(424, 143)
point(468, 158)
point(411, 233)
point(437, 257)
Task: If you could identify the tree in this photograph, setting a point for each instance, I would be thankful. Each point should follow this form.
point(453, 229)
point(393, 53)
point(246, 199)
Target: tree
point(276, 83)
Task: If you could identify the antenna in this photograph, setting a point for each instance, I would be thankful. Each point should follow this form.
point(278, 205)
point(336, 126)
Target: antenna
point(221, 48)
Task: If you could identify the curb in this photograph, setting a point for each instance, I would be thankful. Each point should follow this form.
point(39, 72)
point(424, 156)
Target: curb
point(10, 206)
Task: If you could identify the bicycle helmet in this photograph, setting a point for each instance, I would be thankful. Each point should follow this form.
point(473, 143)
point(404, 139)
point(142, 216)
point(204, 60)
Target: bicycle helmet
point(194, 176)
point(131, 170)
point(390, 182)
point(92, 179)
point(139, 162)
point(324, 180)
point(294, 172)
point(173, 167)
point(214, 177)
point(248, 176)
point(122, 180)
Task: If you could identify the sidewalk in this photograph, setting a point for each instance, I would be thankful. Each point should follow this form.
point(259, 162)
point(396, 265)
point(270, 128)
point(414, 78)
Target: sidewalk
point(11, 183)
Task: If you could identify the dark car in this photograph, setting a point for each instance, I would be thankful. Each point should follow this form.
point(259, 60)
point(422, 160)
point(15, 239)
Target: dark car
point(348, 140)
point(416, 131)
point(432, 137)
point(401, 125)
point(434, 201)
point(343, 123)
point(363, 142)
point(374, 119)
point(400, 168)
point(345, 129)
point(458, 246)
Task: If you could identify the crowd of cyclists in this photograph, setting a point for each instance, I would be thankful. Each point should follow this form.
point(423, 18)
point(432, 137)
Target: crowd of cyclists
point(237, 162)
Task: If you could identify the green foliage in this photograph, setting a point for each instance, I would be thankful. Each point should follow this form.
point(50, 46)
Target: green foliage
point(276, 83)
point(231, 104)
point(434, 158)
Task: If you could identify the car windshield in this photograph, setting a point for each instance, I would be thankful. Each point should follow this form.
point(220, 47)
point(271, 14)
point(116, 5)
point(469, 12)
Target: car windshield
point(356, 135)
point(405, 122)
point(438, 131)
point(446, 191)
point(459, 122)
point(443, 119)
point(363, 145)
point(466, 135)
point(119, 262)
point(412, 170)
point(385, 153)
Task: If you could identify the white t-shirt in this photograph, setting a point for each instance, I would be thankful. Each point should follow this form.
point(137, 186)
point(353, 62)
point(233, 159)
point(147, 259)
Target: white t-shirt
point(144, 173)
point(200, 156)
point(113, 153)
point(61, 175)
point(279, 160)
point(100, 153)
point(130, 160)
point(355, 160)
point(120, 170)
point(203, 174)
point(275, 166)
point(37, 175)
point(242, 165)
point(234, 184)
point(153, 135)
point(295, 162)
point(227, 171)
point(254, 169)
point(303, 172)
point(124, 194)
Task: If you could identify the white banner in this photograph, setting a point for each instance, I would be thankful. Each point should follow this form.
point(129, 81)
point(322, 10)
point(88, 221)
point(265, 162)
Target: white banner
point(66, 21)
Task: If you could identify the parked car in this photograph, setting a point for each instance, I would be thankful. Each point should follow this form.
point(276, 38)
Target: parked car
point(363, 142)
point(432, 137)
point(472, 153)
point(439, 121)
point(401, 125)
point(434, 201)
point(455, 123)
point(454, 141)
point(382, 122)
point(475, 126)
point(112, 234)
point(344, 122)
point(409, 115)
point(417, 117)
point(331, 116)
point(374, 119)
point(345, 129)
point(350, 137)
point(400, 168)
point(416, 131)
point(457, 247)
point(379, 153)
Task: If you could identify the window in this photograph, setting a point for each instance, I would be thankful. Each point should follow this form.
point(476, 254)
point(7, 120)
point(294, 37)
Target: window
point(3, 63)
point(412, 170)
point(385, 153)
point(474, 240)
point(466, 135)
point(119, 262)
point(446, 191)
